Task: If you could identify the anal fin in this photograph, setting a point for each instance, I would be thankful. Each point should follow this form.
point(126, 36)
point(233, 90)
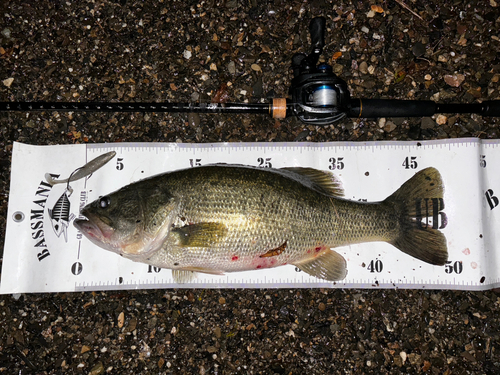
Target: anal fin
point(183, 276)
point(186, 275)
point(328, 265)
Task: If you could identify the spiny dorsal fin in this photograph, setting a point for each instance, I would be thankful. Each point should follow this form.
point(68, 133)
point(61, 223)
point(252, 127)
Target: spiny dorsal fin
point(324, 182)
point(200, 234)
point(329, 265)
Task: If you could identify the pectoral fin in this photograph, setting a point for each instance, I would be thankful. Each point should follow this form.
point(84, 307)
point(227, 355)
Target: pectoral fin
point(200, 234)
point(329, 265)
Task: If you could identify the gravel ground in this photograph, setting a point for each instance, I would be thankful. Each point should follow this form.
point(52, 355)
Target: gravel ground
point(237, 50)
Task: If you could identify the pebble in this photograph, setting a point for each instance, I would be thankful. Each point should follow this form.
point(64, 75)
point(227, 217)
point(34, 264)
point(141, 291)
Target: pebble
point(6, 33)
point(441, 119)
point(231, 68)
point(427, 123)
point(418, 49)
point(256, 67)
point(454, 80)
point(363, 67)
point(222, 300)
point(390, 126)
point(8, 82)
point(121, 319)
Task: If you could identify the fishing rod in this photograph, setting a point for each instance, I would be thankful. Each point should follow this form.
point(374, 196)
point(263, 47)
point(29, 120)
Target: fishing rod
point(318, 97)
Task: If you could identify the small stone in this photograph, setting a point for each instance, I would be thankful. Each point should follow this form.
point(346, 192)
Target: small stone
point(256, 67)
point(442, 58)
point(334, 327)
point(418, 49)
point(132, 324)
point(231, 67)
point(389, 126)
point(187, 54)
point(371, 69)
point(213, 66)
point(7, 82)
point(6, 33)
point(365, 29)
point(85, 349)
point(121, 319)
point(428, 77)
point(427, 123)
point(381, 122)
point(403, 356)
point(454, 80)
point(211, 349)
point(161, 362)
point(222, 300)
point(363, 67)
point(321, 306)
point(217, 332)
point(441, 120)
point(97, 369)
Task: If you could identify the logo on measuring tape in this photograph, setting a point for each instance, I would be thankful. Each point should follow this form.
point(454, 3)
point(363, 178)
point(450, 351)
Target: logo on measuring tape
point(37, 218)
point(59, 214)
point(430, 209)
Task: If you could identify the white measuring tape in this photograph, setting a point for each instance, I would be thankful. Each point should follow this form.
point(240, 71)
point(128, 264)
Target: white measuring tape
point(44, 252)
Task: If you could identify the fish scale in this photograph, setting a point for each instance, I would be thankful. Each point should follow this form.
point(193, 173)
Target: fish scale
point(225, 218)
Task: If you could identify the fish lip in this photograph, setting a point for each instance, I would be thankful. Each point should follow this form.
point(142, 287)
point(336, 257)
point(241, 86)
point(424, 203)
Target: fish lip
point(88, 227)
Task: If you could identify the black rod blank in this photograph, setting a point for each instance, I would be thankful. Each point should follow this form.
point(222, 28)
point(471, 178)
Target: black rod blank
point(252, 108)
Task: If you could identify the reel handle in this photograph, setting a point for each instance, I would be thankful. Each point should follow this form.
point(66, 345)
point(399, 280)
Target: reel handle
point(317, 30)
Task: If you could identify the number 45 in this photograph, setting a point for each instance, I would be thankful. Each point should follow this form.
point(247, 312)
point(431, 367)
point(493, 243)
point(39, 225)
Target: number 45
point(410, 162)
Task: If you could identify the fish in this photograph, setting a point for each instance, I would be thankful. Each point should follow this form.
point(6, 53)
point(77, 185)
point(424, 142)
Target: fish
point(60, 216)
point(227, 218)
point(84, 171)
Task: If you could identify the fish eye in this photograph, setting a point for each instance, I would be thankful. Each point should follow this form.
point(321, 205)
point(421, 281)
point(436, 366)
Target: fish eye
point(104, 202)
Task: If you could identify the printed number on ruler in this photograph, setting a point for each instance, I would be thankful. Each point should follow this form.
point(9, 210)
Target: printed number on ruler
point(336, 163)
point(194, 162)
point(264, 162)
point(410, 162)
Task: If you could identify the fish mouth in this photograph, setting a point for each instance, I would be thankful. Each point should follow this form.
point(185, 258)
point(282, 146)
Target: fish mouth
point(93, 228)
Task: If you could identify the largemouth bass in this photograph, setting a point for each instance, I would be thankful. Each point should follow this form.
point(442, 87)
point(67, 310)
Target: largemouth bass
point(225, 218)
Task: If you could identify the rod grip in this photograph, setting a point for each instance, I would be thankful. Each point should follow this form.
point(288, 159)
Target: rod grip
point(491, 108)
point(372, 108)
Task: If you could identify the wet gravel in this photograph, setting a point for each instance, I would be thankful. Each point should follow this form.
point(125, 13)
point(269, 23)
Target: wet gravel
point(133, 51)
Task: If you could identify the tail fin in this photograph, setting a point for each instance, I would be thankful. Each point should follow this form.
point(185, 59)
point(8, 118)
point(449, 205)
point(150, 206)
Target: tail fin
point(419, 202)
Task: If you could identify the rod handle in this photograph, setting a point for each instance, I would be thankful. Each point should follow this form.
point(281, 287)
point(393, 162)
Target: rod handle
point(491, 108)
point(372, 108)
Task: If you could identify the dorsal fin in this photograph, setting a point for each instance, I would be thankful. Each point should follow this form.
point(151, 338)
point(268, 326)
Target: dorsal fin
point(321, 181)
